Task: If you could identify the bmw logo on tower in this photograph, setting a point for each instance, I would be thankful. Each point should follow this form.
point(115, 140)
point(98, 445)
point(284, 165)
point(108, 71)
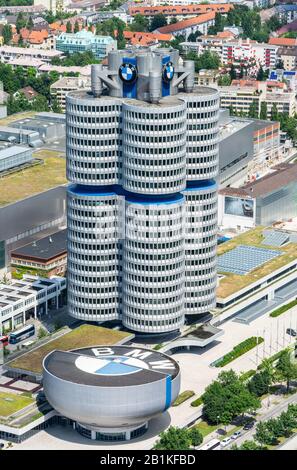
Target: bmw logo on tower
point(128, 72)
point(168, 72)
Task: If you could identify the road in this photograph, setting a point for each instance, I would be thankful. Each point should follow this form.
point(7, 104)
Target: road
point(274, 411)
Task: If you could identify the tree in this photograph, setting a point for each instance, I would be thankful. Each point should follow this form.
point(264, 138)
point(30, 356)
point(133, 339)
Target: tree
point(219, 22)
point(286, 369)
point(264, 435)
point(233, 74)
point(250, 445)
point(263, 110)
point(259, 383)
point(224, 80)
point(20, 22)
point(30, 24)
point(139, 23)
point(68, 27)
point(195, 436)
point(158, 21)
point(274, 113)
point(7, 33)
point(260, 74)
point(76, 27)
point(174, 439)
point(226, 398)
point(253, 110)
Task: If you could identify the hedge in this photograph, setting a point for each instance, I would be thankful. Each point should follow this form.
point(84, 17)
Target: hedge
point(239, 350)
point(247, 375)
point(183, 397)
point(198, 401)
point(283, 309)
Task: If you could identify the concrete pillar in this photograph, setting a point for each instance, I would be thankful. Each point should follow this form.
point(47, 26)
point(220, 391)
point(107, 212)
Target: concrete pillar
point(128, 435)
point(35, 312)
point(188, 348)
point(93, 435)
point(24, 317)
point(46, 307)
point(271, 295)
point(74, 425)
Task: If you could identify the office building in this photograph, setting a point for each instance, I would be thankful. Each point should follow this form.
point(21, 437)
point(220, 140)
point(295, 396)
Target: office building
point(14, 156)
point(84, 41)
point(142, 155)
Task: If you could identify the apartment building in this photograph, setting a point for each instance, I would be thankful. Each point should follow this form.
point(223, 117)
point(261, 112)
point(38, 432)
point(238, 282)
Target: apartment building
point(8, 53)
point(192, 25)
point(62, 87)
point(83, 41)
point(180, 12)
point(242, 93)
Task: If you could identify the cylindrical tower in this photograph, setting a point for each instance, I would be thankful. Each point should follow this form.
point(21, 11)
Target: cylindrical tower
point(201, 200)
point(93, 251)
point(154, 146)
point(93, 139)
point(153, 264)
point(200, 246)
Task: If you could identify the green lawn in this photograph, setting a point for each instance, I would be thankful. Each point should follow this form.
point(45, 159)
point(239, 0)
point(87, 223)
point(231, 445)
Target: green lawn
point(183, 397)
point(277, 312)
point(34, 180)
point(10, 403)
point(83, 336)
point(206, 428)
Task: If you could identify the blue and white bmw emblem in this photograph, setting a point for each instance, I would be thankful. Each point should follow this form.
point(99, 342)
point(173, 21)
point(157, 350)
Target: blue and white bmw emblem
point(110, 365)
point(168, 72)
point(128, 72)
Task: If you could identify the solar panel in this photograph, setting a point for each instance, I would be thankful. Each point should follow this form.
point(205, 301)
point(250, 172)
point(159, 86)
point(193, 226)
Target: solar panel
point(274, 238)
point(243, 259)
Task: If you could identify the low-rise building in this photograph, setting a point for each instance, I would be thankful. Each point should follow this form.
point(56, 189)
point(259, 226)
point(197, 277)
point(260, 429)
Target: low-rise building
point(8, 53)
point(28, 298)
point(146, 39)
point(207, 78)
point(264, 201)
point(83, 41)
point(61, 88)
point(288, 56)
point(14, 156)
point(199, 23)
point(47, 256)
point(179, 12)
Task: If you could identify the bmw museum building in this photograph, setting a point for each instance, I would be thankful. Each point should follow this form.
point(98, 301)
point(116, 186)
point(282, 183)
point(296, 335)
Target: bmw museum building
point(110, 392)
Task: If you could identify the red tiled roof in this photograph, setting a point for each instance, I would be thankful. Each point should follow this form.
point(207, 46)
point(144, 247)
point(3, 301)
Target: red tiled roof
point(146, 38)
point(37, 37)
point(180, 25)
point(180, 9)
point(282, 41)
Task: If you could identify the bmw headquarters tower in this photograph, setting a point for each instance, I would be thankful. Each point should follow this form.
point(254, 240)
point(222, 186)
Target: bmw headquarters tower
point(142, 155)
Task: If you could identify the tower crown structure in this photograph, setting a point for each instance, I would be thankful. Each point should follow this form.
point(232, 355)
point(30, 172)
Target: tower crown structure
point(142, 155)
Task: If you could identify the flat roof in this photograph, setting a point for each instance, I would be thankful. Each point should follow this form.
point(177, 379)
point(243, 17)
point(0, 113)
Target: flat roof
point(45, 248)
point(122, 366)
point(29, 51)
point(283, 174)
point(83, 336)
point(232, 283)
point(14, 150)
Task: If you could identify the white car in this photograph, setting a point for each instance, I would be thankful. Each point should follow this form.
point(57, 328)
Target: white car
point(235, 435)
point(225, 441)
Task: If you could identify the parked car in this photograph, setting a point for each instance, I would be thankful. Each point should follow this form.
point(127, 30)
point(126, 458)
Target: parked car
point(249, 425)
point(235, 435)
point(225, 441)
point(291, 332)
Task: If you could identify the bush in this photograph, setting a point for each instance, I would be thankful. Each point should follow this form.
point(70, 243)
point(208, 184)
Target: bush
point(239, 350)
point(42, 333)
point(183, 397)
point(283, 309)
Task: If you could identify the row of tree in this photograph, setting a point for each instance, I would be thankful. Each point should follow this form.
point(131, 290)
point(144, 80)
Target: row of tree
point(179, 439)
point(268, 432)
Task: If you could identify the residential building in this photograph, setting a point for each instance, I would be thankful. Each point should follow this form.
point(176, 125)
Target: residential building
point(8, 53)
point(29, 93)
point(186, 27)
point(46, 256)
point(142, 232)
point(241, 94)
point(207, 78)
point(179, 12)
point(52, 5)
point(287, 13)
point(83, 41)
point(288, 56)
point(285, 42)
point(146, 39)
point(62, 87)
